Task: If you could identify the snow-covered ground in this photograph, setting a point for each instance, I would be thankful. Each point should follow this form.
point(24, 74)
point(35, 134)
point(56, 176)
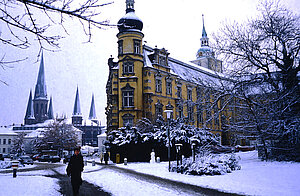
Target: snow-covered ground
point(255, 178)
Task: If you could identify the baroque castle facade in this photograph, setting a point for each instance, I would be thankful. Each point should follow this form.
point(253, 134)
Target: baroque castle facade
point(145, 81)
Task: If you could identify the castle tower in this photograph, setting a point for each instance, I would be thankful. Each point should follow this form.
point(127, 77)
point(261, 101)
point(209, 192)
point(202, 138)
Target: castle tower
point(77, 116)
point(40, 100)
point(29, 116)
point(130, 99)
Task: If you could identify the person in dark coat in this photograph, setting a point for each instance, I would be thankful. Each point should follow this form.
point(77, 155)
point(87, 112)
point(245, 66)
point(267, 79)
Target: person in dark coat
point(74, 169)
point(106, 158)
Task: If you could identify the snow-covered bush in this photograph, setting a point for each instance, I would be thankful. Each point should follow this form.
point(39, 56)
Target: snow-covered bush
point(208, 164)
point(136, 143)
point(5, 164)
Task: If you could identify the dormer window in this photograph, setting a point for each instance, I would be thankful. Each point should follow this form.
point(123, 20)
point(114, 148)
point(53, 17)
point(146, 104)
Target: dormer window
point(128, 67)
point(137, 46)
point(162, 60)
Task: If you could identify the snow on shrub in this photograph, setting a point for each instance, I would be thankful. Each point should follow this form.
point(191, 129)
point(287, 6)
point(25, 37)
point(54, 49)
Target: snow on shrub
point(5, 164)
point(208, 164)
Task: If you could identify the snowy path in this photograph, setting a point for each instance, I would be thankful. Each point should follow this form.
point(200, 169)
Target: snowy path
point(85, 189)
point(180, 187)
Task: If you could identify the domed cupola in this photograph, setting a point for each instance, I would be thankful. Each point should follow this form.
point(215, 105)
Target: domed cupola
point(130, 22)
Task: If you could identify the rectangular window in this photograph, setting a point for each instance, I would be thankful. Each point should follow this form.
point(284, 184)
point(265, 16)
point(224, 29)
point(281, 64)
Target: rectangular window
point(4, 150)
point(190, 113)
point(179, 94)
point(189, 94)
point(169, 88)
point(9, 141)
point(128, 67)
point(180, 112)
point(128, 122)
point(120, 47)
point(128, 98)
point(158, 85)
point(4, 141)
point(137, 49)
point(0, 141)
point(199, 114)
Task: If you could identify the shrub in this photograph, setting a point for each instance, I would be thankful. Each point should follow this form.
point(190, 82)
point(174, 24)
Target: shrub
point(208, 164)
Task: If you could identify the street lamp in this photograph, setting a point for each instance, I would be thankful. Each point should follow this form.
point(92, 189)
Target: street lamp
point(168, 112)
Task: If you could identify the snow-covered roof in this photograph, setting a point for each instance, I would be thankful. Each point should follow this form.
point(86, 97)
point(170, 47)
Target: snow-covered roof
point(187, 71)
point(131, 16)
point(7, 131)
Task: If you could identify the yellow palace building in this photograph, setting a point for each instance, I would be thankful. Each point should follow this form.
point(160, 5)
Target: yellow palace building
point(145, 81)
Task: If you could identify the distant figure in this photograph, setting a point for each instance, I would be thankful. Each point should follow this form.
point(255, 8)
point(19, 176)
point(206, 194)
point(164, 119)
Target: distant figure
point(74, 169)
point(106, 158)
point(101, 157)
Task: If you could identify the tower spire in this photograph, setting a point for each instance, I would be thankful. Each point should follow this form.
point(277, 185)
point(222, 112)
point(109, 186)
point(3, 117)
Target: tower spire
point(77, 117)
point(40, 100)
point(204, 38)
point(29, 116)
point(92, 109)
point(76, 110)
point(40, 87)
point(204, 34)
point(50, 110)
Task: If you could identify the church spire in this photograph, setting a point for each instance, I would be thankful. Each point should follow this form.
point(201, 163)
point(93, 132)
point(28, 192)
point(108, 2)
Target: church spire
point(76, 110)
point(40, 100)
point(40, 87)
point(92, 110)
point(50, 110)
point(77, 117)
point(29, 116)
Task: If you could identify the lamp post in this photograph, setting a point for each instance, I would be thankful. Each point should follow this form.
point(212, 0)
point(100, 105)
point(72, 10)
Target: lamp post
point(168, 112)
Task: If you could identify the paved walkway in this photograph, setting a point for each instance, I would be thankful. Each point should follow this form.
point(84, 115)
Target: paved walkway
point(86, 189)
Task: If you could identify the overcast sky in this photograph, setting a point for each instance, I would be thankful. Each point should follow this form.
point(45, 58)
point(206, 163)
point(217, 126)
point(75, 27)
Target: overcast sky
point(173, 24)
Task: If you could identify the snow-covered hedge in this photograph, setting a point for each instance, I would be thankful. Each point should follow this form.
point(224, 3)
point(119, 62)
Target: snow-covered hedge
point(5, 164)
point(209, 164)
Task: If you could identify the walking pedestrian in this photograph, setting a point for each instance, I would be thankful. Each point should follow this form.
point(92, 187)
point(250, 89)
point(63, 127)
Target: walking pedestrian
point(74, 169)
point(106, 158)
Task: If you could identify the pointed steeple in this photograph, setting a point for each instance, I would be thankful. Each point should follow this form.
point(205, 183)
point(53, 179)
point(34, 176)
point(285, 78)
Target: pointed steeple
point(40, 100)
point(40, 87)
point(204, 38)
point(29, 116)
point(50, 110)
point(92, 110)
point(76, 110)
point(77, 117)
point(204, 34)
